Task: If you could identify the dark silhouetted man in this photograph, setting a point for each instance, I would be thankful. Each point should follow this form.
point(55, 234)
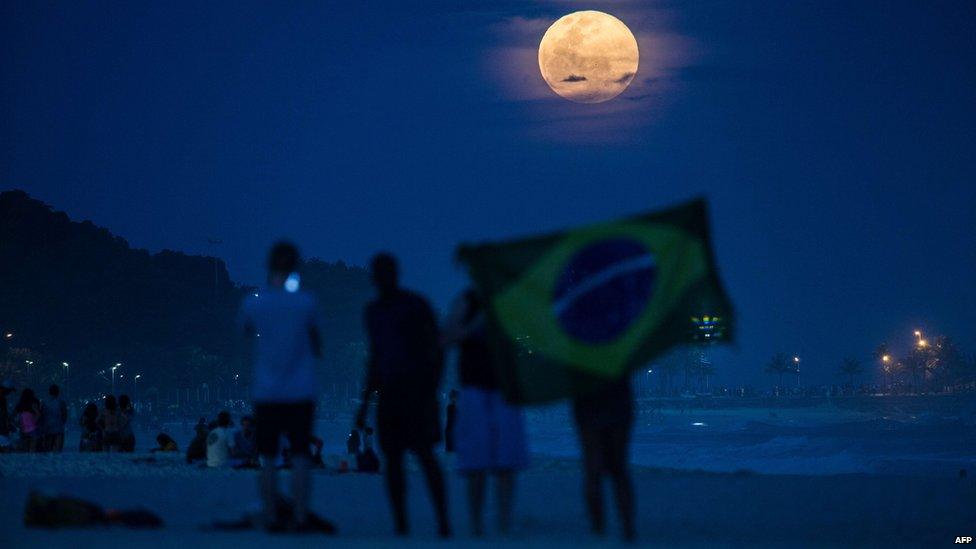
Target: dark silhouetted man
point(604, 419)
point(405, 366)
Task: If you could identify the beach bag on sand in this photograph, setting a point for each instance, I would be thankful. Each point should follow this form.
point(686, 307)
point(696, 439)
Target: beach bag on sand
point(43, 511)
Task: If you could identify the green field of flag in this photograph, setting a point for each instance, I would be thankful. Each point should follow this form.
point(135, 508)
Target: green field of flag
point(567, 312)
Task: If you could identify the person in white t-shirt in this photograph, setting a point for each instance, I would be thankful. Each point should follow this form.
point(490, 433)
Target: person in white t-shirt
point(283, 322)
point(220, 441)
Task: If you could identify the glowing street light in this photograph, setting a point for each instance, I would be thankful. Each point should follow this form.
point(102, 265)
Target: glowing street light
point(886, 368)
point(8, 335)
point(116, 367)
point(918, 333)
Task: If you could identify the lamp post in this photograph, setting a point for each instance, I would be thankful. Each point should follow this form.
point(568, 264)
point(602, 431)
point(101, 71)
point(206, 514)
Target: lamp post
point(30, 371)
point(67, 377)
point(886, 368)
point(116, 367)
point(796, 368)
point(135, 390)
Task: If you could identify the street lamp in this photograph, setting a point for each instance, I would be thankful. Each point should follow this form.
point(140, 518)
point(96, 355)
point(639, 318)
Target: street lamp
point(886, 368)
point(796, 367)
point(67, 372)
point(8, 335)
point(135, 391)
point(116, 367)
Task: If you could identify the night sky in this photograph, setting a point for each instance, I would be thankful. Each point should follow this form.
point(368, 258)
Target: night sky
point(836, 142)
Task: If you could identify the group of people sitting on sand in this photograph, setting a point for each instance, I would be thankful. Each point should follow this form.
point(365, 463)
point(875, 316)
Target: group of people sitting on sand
point(218, 444)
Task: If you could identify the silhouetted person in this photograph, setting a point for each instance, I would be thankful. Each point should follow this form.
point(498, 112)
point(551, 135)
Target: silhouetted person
point(165, 443)
point(245, 450)
point(367, 461)
point(489, 432)
point(197, 449)
point(353, 443)
point(604, 419)
point(108, 422)
point(450, 419)
point(6, 388)
point(220, 441)
point(127, 435)
point(91, 434)
point(27, 414)
point(404, 366)
point(282, 320)
point(54, 416)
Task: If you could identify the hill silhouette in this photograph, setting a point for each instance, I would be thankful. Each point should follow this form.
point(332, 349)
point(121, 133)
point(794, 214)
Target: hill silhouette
point(74, 292)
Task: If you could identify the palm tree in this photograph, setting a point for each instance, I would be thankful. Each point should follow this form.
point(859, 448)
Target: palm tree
point(915, 363)
point(779, 365)
point(850, 368)
point(883, 355)
point(705, 370)
point(669, 367)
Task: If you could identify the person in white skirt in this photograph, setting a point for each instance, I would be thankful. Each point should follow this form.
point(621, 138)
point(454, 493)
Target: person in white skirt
point(489, 432)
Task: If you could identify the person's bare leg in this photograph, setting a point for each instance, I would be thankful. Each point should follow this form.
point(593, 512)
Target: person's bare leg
point(435, 485)
point(506, 500)
point(268, 489)
point(396, 487)
point(301, 487)
point(592, 443)
point(476, 501)
point(623, 489)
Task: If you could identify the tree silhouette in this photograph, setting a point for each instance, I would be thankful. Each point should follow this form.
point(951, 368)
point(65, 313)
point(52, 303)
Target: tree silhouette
point(850, 367)
point(779, 364)
point(74, 292)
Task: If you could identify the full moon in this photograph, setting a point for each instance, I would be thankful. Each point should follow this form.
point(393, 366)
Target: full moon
point(588, 57)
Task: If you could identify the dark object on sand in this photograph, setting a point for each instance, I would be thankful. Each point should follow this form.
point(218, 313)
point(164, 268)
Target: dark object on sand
point(283, 510)
point(43, 511)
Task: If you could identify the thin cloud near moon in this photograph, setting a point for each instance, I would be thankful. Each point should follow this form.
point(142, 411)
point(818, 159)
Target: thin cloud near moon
point(511, 68)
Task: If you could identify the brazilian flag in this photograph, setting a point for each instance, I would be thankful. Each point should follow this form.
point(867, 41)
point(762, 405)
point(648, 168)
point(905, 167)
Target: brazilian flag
point(570, 311)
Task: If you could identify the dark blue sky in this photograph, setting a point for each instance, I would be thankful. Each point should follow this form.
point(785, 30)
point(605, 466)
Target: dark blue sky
point(835, 141)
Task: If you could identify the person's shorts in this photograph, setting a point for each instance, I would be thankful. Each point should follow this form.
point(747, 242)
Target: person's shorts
point(291, 419)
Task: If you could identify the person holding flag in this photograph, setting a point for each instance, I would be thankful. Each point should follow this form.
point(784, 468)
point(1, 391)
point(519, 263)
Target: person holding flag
point(572, 314)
